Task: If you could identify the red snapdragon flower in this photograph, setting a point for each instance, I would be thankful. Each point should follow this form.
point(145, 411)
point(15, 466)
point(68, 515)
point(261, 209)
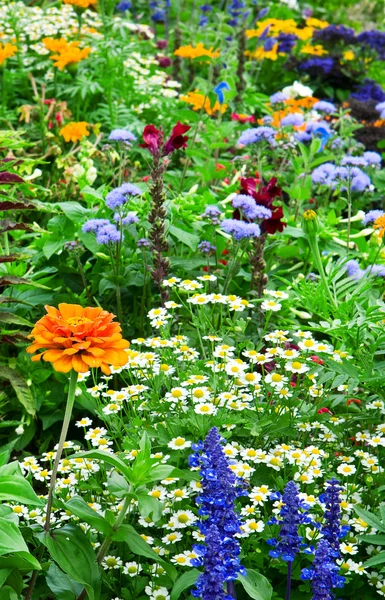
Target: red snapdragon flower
point(265, 195)
point(154, 139)
point(177, 139)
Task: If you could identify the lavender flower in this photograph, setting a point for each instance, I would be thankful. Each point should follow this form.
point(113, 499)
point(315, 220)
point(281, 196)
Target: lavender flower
point(369, 90)
point(353, 269)
point(371, 216)
point(213, 214)
point(129, 219)
point(143, 243)
point(324, 174)
point(119, 195)
point(121, 135)
point(372, 158)
point(293, 514)
point(332, 529)
point(293, 119)
point(257, 134)
point(360, 181)
point(249, 207)
point(93, 225)
point(206, 248)
point(241, 230)
point(107, 234)
point(278, 97)
point(326, 107)
point(323, 573)
point(353, 161)
point(220, 487)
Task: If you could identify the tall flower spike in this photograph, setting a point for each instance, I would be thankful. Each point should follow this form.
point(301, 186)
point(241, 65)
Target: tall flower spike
point(323, 573)
point(332, 530)
point(220, 487)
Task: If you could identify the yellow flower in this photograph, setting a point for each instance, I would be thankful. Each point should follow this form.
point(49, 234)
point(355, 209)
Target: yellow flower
point(6, 52)
point(261, 53)
point(380, 224)
point(74, 132)
point(317, 50)
point(81, 3)
point(349, 55)
point(316, 23)
point(66, 52)
point(197, 52)
point(198, 100)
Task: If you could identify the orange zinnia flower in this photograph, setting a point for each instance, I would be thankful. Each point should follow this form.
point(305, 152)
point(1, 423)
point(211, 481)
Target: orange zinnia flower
point(7, 51)
point(380, 224)
point(75, 131)
point(81, 3)
point(79, 338)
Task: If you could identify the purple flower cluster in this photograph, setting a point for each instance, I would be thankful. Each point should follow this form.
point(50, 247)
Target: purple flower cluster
point(334, 34)
point(286, 42)
point(332, 529)
point(121, 135)
point(240, 230)
point(206, 248)
point(317, 65)
point(293, 514)
point(278, 98)
point(257, 134)
point(213, 214)
point(250, 209)
point(119, 196)
point(355, 272)
point(326, 107)
point(381, 109)
point(129, 219)
point(371, 216)
point(220, 487)
point(369, 90)
point(323, 573)
point(375, 40)
point(330, 175)
point(294, 119)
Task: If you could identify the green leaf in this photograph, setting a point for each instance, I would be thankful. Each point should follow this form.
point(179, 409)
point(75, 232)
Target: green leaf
point(72, 550)
point(375, 560)
point(15, 488)
point(11, 539)
point(149, 506)
point(110, 459)
point(22, 561)
point(370, 519)
point(23, 392)
point(126, 533)
point(74, 211)
point(378, 540)
point(62, 586)
point(183, 582)
point(117, 485)
point(4, 575)
point(188, 239)
point(80, 508)
point(256, 585)
point(8, 317)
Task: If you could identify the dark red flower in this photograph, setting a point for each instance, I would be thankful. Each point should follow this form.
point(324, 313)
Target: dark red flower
point(177, 139)
point(164, 61)
point(153, 138)
point(161, 44)
point(223, 262)
point(265, 195)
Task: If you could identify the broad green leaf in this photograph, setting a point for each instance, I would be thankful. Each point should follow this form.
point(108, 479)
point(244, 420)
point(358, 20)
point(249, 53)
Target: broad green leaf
point(256, 585)
point(370, 519)
point(22, 561)
point(11, 539)
point(72, 550)
point(126, 533)
point(14, 488)
point(80, 508)
point(118, 485)
point(8, 593)
point(149, 506)
point(62, 586)
point(23, 392)
point(8, 317)
point(378, 540)
point(189, 239)
point(4, 575)
point(183, 582)
point(74, 211)
point(379, 559)
point(110, 459)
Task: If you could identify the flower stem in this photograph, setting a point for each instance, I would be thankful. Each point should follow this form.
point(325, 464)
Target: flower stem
point(63, 435)
point(313, 243)
point(288, 584)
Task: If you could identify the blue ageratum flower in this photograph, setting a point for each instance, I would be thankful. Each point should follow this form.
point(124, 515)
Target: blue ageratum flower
point(323, 573)
point(257, 134)
point(121, 135)
point(219, 522)
point(120, 195)
point(332, 529)
point(240, 230)
point(293, 514)
point(219, 89)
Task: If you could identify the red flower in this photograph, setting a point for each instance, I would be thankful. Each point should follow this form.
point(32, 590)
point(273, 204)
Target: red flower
point(353, 401)
point(153, 139)
point(323, 410)
point(164, 61)
point(219, 167)
point(242, 118)
point(177, 139)
point(223, 262)
point(265, 196)
point(317, 360)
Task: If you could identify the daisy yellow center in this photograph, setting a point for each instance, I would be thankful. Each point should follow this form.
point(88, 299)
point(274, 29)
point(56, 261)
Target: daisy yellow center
point(296, 365)
point(183, 518)
point(111, 562)
point(276, 378)
point(179, 441)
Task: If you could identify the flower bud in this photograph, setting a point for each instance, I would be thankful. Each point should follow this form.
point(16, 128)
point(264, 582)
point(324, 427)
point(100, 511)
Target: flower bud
point(310, 223)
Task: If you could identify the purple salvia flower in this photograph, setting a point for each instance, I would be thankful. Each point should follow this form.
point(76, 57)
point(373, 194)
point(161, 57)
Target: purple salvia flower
point(323, 573)
point(332, 529)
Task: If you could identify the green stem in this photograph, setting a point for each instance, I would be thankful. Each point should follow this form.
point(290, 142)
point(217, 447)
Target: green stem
point(313, 243)
point(349, 215)
point(6, 243)
point(63, 435)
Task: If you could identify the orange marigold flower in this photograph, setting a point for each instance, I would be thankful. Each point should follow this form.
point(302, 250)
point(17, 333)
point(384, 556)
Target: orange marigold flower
point(75, 131)
point(7, 51)
point(380, 224)
point(78, 338)
point(197, 52)
point(81, 3)
point(198, 100)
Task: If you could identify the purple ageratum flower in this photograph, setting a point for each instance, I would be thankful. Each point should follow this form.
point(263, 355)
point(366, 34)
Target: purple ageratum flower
point(143, 243)
point(353, 161)
point(324, 174)
point(369, 90)
point(107, 234)
point(360, 181)
point(121, 135)
point(326, 107)
point(129, 189)
point(381, 109)
point(93, 225)
point(332, 529)
point(372, 158)
point(303, 137)
point(293, 514)
point(220, 487)
point(129, 219)
point(294, 119)
point(371, 216)
point(240, 230)
point(317, 64)
point(257, 134)
point(119, 195)
point(206, 248)
point(250, 209)
point(353, 270)
point(323, 573)
point(278, 98)
point(213, 214)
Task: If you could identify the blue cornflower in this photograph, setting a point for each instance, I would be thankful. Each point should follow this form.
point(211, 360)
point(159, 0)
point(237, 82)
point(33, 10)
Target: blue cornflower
point(292, 514)
point(220, 487)
point(250, 208)
point(240, 230)
point(107, 234)
point(219, 89)
point(257, 134)
point(93, 225)
point(332, 529)
point(292, 119)
point(121, 135)
point(323, 573)
point(371, 216)
point(326, 107)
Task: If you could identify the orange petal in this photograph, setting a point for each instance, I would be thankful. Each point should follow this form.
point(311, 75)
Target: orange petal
point(92, 361)
point(37, 357)
point(70, 351)
point(105, 369)
point(52, 355)
point(78, 364)
point(95, 351)
point(63, 364)
point(70, 310)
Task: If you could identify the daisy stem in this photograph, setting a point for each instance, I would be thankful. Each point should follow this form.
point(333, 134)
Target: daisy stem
point(63, 435)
